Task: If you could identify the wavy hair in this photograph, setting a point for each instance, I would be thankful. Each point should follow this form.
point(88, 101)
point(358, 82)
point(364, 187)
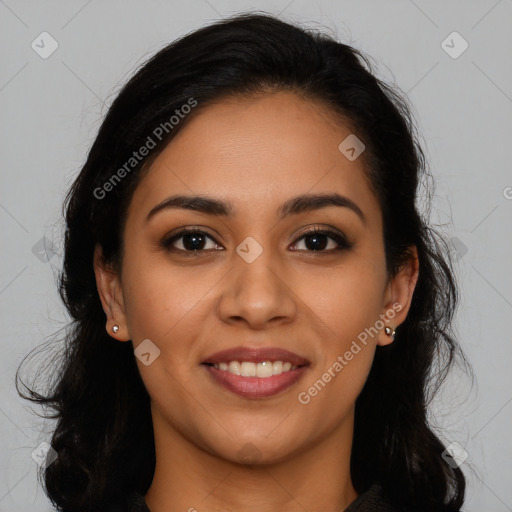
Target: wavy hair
point(103, 433)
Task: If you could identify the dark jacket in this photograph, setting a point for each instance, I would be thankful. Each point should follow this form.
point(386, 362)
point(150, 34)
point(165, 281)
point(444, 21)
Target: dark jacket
point(372, 500)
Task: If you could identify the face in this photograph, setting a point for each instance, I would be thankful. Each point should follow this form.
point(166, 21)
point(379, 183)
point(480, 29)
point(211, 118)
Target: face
point(256, 278)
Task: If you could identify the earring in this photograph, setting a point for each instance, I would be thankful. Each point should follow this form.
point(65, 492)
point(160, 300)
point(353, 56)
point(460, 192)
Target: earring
point(390, 332)
point(115, 328)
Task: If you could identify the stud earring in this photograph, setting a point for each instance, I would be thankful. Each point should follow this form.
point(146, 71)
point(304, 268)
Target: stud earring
point(390, 332)
point(115, 328)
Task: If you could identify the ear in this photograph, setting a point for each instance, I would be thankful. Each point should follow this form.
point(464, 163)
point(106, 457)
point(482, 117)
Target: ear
point(398, 296)
point(111, 296)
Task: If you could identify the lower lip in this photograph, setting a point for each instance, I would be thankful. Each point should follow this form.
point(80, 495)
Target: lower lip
point(256, 387)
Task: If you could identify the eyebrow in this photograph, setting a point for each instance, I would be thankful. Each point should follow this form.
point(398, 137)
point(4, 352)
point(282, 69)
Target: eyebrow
point(218, 207)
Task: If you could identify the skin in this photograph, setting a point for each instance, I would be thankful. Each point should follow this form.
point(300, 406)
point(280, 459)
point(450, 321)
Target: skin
point(256, 154)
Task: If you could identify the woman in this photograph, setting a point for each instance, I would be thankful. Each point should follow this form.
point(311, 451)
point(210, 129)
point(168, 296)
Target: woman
point(257, 301)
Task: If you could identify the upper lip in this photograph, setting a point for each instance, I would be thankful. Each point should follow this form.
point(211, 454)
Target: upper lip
point(256, 355)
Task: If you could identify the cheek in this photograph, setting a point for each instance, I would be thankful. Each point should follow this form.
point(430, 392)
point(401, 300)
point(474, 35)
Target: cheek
point(347, 305)
point(160, 298)
point(346, 300)
point(331, 392)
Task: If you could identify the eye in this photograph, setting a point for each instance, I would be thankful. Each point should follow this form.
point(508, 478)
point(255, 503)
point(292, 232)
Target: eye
point(316, 240)
point(194, 241)
point(190, 240)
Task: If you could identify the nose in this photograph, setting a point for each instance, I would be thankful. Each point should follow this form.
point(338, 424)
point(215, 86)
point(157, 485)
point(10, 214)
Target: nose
point(257, 293)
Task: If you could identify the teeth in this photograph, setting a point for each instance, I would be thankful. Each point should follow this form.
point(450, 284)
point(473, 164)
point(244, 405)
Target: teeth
point(248, 369)
point(234, 367)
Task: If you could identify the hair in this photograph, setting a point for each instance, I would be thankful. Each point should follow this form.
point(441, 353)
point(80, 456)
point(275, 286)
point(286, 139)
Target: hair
point(103, 435)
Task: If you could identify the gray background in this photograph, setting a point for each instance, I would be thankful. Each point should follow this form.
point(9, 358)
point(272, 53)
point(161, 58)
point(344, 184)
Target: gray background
point(52, 108)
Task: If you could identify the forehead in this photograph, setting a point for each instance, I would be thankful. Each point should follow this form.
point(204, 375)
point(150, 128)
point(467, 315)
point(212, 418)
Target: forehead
point(256, 153)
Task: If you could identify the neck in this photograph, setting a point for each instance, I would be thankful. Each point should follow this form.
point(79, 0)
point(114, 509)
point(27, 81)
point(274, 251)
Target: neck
point(188, 478)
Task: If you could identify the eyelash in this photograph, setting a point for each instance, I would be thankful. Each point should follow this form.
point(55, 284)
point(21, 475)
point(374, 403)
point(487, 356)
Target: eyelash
point(343, 243)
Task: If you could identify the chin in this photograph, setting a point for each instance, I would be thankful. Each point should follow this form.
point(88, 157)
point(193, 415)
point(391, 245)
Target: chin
point(258, 451)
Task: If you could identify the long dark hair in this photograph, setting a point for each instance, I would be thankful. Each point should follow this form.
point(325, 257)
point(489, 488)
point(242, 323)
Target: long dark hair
point(103, 435)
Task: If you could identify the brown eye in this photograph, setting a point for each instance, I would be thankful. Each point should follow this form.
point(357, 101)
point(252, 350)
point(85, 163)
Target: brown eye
point(194, 241)
point(191, 240)
point(317, 239)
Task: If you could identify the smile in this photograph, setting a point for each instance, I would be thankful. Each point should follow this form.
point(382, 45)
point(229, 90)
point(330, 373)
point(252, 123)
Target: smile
point(264, 369)
point(253, 386)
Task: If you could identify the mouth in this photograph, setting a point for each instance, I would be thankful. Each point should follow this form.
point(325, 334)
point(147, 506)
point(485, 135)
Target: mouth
point(262, 370)
point(255, 373)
